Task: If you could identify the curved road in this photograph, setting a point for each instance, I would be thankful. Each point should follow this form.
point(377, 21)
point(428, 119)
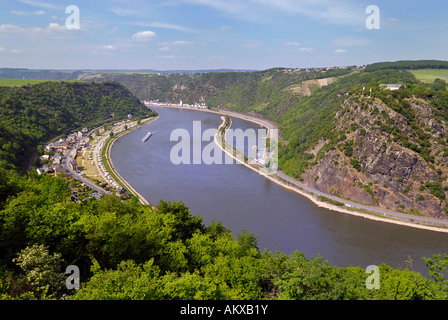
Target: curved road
point(385, 213)
point(75, 175)
point(401, 217)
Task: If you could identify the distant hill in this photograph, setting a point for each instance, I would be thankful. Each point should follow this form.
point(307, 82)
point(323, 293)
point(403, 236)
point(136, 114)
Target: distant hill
point(408, 65)
point(48, 74)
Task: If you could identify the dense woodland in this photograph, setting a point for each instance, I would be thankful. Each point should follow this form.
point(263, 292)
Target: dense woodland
point(129, 251)
point(408, 65)
point(126, 250)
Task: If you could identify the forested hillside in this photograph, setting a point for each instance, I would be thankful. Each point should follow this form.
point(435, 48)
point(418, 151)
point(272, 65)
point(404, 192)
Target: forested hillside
point(126, 250)
point(408, 65)
point(385, 148)
point(32, 114)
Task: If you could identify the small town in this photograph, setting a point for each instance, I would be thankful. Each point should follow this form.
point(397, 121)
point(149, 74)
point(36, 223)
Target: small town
point(156, 102)
point(79, 155)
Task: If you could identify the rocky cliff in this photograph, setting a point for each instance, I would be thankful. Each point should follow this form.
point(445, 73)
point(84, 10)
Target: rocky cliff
point(384, 158)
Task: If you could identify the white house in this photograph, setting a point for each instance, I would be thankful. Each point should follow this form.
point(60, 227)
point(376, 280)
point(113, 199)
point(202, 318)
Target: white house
point(393, 86)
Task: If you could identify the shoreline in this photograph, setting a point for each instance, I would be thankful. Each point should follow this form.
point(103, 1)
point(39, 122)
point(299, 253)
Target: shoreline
point(310, 195)
point(123, 182)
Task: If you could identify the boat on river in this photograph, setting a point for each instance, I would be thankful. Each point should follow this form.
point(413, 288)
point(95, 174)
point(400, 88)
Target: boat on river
point(148, 135)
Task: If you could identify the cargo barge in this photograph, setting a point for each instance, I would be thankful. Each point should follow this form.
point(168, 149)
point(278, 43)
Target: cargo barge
point(148, 135)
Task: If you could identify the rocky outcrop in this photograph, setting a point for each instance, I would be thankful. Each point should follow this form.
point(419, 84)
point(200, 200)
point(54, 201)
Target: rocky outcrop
point(385, 161)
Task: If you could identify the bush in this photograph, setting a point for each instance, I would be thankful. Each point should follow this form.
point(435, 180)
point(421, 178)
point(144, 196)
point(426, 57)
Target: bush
point(42, 270)
point(436, 189)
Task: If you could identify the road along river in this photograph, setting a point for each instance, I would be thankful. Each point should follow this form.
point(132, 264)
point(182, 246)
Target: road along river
point(243, 199)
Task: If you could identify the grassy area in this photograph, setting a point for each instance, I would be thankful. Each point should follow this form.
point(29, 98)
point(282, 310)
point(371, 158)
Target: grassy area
point(89, 167)
point(429, 75)
point(20, 82)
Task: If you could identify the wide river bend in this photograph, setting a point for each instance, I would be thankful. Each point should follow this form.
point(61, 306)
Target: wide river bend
point(242, 199)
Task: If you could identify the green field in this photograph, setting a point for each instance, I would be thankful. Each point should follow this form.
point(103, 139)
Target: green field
point(429, 75)
point(19, 82)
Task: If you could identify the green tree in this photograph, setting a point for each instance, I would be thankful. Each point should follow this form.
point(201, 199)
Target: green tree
point(247, 240)
point(437, 270)
point(185, 224)
point(42, 270)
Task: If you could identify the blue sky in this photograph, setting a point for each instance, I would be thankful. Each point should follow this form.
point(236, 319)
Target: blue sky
point(214, 34)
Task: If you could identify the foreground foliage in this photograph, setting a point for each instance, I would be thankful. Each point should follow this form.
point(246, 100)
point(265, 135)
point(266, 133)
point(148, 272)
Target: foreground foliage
point(132, 251)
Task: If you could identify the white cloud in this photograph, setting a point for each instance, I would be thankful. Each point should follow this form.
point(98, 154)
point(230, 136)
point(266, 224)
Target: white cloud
point(222, 58)
point(37, 3)
point(10, 29)
point(340, 51)
point(350, 41)
point(56, 27)
point(19, 13)
point(292, 44)
point(104, 50)
point(169, 57)
point(303, 50)
point(123, 12)
point(173, 45)
point(3, 50)
point(252, 44)
point(23, 13)
point(393, 20)
point(53, 28)
point(176, 43)
point(327, 11)
point(166, 49)
point(143, 36)
point(228, 6)
point(163, 26)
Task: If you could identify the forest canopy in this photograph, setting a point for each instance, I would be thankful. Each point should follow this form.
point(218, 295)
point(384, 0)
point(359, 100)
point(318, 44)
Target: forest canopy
point(129, 251)
point(408, 65)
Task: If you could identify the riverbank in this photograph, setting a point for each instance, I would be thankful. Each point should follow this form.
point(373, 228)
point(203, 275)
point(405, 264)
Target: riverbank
point(109, 165)
point(321, 199)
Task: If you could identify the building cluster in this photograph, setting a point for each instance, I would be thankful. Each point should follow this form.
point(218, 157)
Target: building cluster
point(180, 104)
point(55, 153)
point(393, 86)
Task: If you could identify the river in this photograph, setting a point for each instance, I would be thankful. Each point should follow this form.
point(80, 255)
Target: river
point(242, 199)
